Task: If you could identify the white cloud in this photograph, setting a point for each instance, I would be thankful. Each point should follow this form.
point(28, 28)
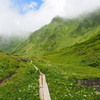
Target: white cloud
point(13, 23)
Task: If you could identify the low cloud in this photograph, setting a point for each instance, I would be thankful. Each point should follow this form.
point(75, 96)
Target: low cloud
point(14, 23)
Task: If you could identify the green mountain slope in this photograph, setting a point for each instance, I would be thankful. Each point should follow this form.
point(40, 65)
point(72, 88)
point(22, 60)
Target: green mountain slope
point(69, 51)
point(8, 65)
point(60, 33)
point(7, 44)
point(18, 78)
point(86, 53)
point(72, 71)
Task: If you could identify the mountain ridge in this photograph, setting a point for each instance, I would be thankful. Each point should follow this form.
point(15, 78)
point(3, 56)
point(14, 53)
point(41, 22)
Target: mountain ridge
point(60, 33)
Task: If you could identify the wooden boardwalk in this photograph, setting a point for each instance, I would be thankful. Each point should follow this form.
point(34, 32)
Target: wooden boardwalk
point(43, 87)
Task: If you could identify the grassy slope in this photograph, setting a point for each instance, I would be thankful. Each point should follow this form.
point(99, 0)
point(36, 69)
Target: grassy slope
point(8, 65)
point(23, 84)
point(86, 53)
point(61, 80)
point(7, 44)
point(69, 65)
point(60, 33)
point(65, 67)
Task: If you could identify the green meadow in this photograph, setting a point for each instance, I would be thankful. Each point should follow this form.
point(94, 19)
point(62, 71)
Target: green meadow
point(67, 51)
point(61, 79)
point(64, 68)
point(20, 79)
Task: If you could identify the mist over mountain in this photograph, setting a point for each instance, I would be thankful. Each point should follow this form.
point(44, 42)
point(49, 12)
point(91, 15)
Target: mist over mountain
point(58, 34)
point(14, 22)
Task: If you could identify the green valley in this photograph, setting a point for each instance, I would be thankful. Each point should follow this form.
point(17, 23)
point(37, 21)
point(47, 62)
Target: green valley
point(76, 64)
point(60, 33)
point(67, 51)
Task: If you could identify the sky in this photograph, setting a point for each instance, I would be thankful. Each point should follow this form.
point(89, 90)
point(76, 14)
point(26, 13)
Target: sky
point(20, 17)
point(25, 5)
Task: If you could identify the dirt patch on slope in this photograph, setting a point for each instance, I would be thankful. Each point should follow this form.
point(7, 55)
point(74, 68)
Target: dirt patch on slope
point(90, 83)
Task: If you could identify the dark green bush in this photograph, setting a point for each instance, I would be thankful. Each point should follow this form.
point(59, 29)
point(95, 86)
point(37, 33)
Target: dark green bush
point(94, 64)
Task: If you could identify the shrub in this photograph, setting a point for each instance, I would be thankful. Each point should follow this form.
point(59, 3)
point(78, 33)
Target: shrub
point(94, 64)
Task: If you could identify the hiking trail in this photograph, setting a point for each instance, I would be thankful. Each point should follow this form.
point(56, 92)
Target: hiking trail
point(43, 87)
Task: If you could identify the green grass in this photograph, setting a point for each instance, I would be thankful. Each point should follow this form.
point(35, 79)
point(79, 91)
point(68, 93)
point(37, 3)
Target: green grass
point(65, 67)
point(23, 85)
point(8, 65)
point(70, 51)
point(61, 80)
point(86, 53)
